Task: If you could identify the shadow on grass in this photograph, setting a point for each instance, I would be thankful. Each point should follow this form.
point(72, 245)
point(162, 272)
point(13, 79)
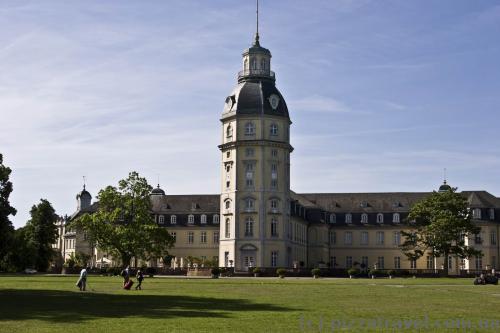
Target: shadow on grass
point(70, 307)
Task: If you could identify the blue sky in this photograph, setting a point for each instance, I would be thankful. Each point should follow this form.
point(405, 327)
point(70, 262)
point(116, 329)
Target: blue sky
point(383, 94)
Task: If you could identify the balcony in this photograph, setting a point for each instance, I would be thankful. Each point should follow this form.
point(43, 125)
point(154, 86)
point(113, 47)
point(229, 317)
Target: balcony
point(256, 73)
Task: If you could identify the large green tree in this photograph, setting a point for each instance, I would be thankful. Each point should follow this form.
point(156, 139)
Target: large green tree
point(42, 233)
point(442, 224)
point(123, 224)
point(6, 228)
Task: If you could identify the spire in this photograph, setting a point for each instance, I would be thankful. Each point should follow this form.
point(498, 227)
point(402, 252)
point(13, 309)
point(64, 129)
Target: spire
point(256, 42)
point(84, 182)
point(444, 172)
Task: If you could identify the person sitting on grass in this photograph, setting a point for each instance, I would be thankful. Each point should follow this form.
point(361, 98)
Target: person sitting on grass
point(139, 277)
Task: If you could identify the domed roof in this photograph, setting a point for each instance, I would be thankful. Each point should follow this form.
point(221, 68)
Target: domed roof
point(157, 191)
point(256, 97)
point(84, 193)
point(445, 187)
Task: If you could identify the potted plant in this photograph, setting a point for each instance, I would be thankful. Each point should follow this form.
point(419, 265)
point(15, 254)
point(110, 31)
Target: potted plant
point(316, 272)
point(257, 271)
point(392, 273)
point(281, 272)
point(353, 272)
point(215, 272)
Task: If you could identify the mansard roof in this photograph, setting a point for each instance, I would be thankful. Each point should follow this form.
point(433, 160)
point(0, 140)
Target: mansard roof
point(186, 203)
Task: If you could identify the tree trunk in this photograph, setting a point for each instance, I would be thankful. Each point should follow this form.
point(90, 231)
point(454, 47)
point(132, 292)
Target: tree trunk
point(445, 268)
point(126, 260)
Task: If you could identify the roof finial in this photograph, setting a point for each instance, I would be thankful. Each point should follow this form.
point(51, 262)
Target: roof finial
point(444, 171)
point(256, 43)
point(84, 181)
point(158, 176)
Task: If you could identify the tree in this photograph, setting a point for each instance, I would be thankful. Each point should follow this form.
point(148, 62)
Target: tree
point(42, 233)
point(123, 224)
point(442, 223)
point(6, 228)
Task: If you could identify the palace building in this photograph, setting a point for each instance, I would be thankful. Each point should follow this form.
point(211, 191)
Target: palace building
point(258, 221)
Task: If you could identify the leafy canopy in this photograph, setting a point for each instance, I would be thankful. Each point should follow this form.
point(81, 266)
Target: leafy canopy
point(6, 228)
point(123, 224)
point(442, 224)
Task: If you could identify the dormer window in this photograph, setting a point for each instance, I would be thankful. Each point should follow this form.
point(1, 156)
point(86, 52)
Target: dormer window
point(203, 219)
point(395, 218)
point(380, 218)
point(363, 204)
point(173, 219)
point(348, 218)
point(161, 219)
point(249, 128)
point(215, 219)
point(491, 213)
point(191, 219)
point(364, 218)
point(333, 218)
point(274, 129)
point(396, 204)
point(476, 213)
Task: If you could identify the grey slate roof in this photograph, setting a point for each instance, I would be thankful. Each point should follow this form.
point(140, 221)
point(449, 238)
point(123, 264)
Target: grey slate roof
point(195, 203)
point(251, 97)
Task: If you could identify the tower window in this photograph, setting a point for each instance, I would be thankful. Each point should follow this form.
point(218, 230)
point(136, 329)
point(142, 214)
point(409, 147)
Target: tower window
point(249, 128)
point(263, 64)
point(229, 131)
point(249, 227)
point(228, 228)
point(274, 227)
point(274, 129)
point(228, 204)
point(274, 153)
point(253, 63)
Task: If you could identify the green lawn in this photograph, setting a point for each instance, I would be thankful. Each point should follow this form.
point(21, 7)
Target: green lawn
point(53, 304)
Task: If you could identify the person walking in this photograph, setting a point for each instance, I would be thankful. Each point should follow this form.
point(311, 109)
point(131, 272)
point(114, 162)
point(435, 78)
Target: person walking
point(139, 277)
point(82, 281)
point(126, 275)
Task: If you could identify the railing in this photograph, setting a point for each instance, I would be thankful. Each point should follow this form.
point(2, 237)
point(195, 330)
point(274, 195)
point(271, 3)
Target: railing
point(256, 72)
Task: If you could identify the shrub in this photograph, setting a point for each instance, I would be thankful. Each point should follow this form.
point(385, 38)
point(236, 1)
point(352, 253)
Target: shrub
point(281, 272)
point(215, 271)
point(316, 272)
point(392, 272)
point(375, 273)
point(257, 270)
point(353, 271)
point(151, 271)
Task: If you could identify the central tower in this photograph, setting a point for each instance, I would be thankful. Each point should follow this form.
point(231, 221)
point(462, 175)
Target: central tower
point(255, 189)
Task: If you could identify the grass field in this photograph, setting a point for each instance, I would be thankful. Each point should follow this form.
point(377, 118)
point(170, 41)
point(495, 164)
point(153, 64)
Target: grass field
point(53, 304)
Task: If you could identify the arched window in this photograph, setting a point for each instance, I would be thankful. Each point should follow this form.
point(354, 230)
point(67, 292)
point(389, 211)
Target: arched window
point(395, 217)
point(262, 63)
point(203, 219)
point(249, 227)
point(161, 219)
point(215, 219)
point(274, 129)
point(253, 63)
point(333, 218)
point(173, 219)
point(249, 203)
point(380, 218)
point(228, 204)
point(249, 128)
point(348, 218)
point(274, 204)
point(191, 219)
point(229, 131)
point(228, 228)
point(364, 218)
point(245, 64)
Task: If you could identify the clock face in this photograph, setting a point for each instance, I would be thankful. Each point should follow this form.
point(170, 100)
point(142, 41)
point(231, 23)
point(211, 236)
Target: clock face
point(274, 101)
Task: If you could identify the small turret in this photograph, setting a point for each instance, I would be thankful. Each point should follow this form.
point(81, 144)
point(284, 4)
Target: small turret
point(83, 199)
point(157, 191)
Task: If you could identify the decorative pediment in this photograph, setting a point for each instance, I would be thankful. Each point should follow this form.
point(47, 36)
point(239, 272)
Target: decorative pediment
point(248, 247)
